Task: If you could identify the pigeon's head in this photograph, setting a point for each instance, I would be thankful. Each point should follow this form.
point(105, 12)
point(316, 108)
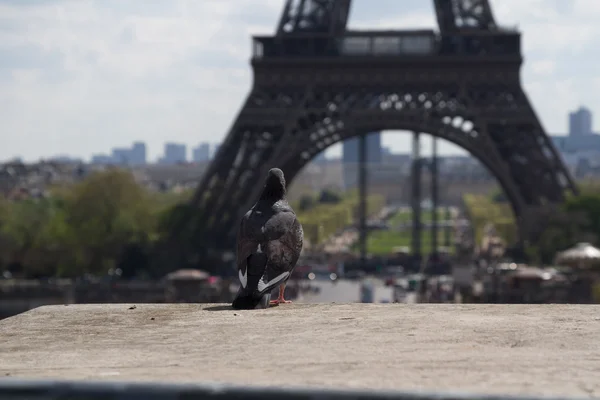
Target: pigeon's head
point(274, 185)
point(276, 173)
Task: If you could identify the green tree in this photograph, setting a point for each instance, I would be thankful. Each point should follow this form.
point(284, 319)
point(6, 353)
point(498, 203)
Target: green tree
point(498, 196)
point(329, 197)
point(587, 206)
point(306, 202)
point(557, 228)
point(34, 233)
point(4, 212)
point(107, 212)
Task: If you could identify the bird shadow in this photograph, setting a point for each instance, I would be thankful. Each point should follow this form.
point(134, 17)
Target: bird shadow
point(219, 308)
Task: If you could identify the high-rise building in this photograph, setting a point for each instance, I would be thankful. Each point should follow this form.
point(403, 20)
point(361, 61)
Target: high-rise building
point(350, 149)
point(201, 153)
point(101, 159)
point(174, 153)
point(580, 122)
point(121, 156)
point(65, 159)
point(135, 155)
point(138, 153)
point(350, 157)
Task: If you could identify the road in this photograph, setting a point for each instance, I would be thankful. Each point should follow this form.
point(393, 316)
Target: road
point(346, 291)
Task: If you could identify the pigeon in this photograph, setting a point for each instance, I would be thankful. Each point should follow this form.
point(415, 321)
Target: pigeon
point(269, 243)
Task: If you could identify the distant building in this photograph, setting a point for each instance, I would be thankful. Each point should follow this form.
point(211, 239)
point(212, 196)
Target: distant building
point(63, 159)
point(374, 150)
point(135, 155)
point(201, 153)
point(102, 159)
point(350, 157)
point(580, 149)
point(575, 144)
point(138, 154)
point(175, 153)
point(121, 156)
point(580, 122)
point(397, 159)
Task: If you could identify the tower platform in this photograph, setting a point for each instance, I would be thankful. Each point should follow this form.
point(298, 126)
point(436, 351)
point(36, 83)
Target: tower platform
point(487, 349)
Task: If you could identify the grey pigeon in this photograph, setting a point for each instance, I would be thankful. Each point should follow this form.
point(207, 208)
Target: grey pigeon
point(269, 243)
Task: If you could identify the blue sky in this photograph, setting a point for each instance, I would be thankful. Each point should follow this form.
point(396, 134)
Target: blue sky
point(81, 76)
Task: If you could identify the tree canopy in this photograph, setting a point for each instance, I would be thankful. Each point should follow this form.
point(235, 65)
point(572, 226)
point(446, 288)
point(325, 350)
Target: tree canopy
point(555, 227)
point(110, 222)
point(91, 227)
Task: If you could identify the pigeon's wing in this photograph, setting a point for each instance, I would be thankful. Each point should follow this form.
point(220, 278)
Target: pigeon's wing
point(278, 225)
point(284, 233)
point(296, 241)
point(291, 243)
point(245, 245)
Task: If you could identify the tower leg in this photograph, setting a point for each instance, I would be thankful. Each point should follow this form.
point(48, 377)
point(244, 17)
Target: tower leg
point(362, 187)
point(448, 227)
point(416, 199)
point(434, 197)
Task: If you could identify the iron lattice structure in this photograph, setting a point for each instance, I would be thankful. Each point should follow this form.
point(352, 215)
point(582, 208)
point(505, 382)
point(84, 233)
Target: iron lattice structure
point(317, 83)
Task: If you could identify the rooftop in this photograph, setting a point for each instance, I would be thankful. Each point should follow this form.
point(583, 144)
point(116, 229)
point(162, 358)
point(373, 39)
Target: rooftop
point(488, 349)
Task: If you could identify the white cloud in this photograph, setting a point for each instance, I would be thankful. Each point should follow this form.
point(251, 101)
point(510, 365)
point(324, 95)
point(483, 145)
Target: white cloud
point(559, 44)
point(83, 76)
point(124, 75)
point(543, 67)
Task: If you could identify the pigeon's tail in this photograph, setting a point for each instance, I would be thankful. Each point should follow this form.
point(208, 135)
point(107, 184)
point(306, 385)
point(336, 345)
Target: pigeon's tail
point(257, 262)
point(251, 294)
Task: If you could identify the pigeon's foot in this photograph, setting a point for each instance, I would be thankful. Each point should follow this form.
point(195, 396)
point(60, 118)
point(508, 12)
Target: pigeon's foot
point(280, 298)
point(273, 303)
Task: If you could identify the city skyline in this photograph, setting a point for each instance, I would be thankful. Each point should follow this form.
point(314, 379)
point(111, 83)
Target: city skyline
point(81, 78)
point(579, 138)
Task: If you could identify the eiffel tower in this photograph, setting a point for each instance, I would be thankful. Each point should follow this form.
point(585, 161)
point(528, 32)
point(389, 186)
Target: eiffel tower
point(316, 83)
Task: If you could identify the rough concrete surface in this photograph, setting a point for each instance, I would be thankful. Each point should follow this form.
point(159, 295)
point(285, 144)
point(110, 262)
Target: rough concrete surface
point(511, 349)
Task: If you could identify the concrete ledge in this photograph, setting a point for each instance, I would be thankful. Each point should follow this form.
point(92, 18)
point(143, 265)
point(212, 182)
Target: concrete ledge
point(488, 349)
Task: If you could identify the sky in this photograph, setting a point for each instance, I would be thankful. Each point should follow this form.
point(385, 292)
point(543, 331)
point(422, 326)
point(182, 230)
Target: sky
point(79, 77)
